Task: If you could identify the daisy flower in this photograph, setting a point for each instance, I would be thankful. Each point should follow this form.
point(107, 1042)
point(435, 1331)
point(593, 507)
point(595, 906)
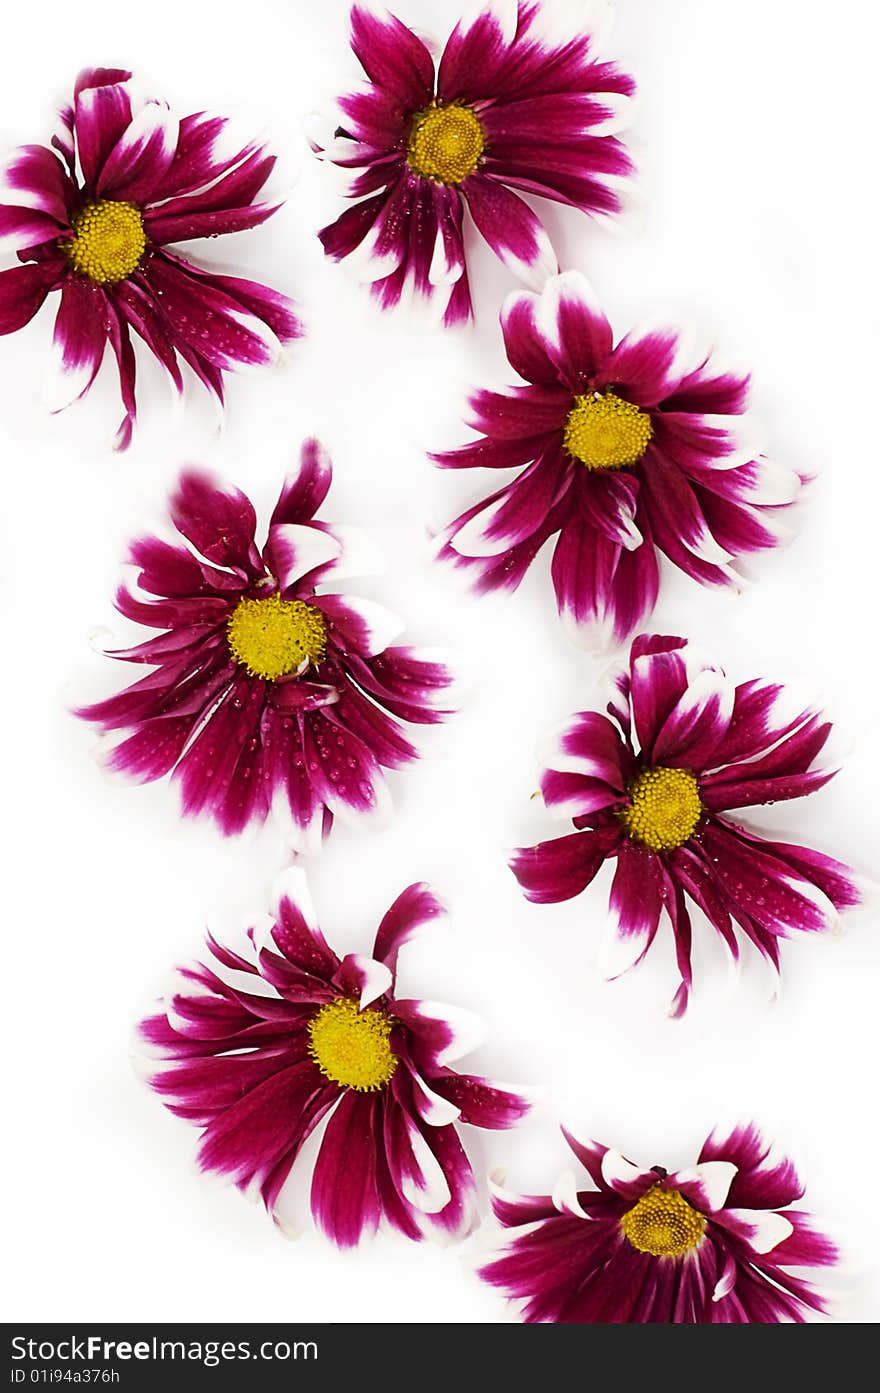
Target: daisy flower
point(302, 1034)
point(93, 218)
point(264, 685)
point(717, 1243)
point(507, 106)
point(623, 450)
point(650, 786)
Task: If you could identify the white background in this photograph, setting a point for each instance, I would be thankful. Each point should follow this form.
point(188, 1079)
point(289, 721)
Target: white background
point(757, 142)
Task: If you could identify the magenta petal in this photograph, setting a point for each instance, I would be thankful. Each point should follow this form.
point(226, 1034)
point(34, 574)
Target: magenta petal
point(141, 312)
point(393, 57)
point(526, 346)
point(226, 189)
point(26, 227)
point(183, 227)
point(220, 522)
point(79, 340)
point(601, 586)
point(251, 1139)
point(560, 869)
point(414, 906)
point(765, 887)
point(644, 365)
point(207, 318)
point(481, 1103)
point(99, 77)
point(573, 794)
point(515, 234)
point(22, 291)
point(756, 1184)
point(838, 882)
point(697, 724)
point(267, 306)
point(38, 180)
point(474, 57)
point(344, 771)
point(152, 750)
point(636, 902)
point(120, 342)
point(345, 1202)
point(306, 487)
point(589, 743)
point(141, 156)
point(577, 331)
point(101, 116)
point(301, 941)
point(195, 165)
point(658, 682)
point(517, 511)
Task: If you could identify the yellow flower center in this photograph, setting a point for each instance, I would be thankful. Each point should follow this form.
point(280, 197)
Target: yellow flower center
point(272, 637)
point(664, 808)
point(605, 432)
point(445, 143)
point(351, 1047)
point(663, 1224)
point(108, 242)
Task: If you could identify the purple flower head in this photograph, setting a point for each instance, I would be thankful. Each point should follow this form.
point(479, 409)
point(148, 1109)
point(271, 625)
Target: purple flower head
point(622, 450)
point(92, 218)
point(717, 1243)
point(650, 784)
point(507, 106)
point(263, 685)
point(320, 1036)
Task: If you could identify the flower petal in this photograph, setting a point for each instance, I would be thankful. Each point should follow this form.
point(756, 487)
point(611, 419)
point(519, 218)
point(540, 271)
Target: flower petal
point(305, 487)
point(414, 906)
point(370, 979)
point(392, 56)
point(575, 329)
point(447, 1032)
point(706, 1185)
point(345, 1201)
point(78, 344)
point(294, 549)
point(141, 157)
point(515, 234)
point(762, 1229)
point(559, 869)
point(363, 626)
point(636, 903)
point(22, 291)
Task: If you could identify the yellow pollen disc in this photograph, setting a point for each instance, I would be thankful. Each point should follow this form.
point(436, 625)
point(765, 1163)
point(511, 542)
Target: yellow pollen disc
point(108, 241)
point(273, 637)
point(351, 1047)
point(663, 1224)
point(605, 432)
point(664, 808)
point(445, 143)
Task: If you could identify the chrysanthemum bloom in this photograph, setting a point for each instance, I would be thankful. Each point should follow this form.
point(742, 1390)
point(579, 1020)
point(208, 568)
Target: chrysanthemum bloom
point(650, 785)
point(623, 450)
point(261, 687)
point(258, 1073)
point(718, 1243)
point(507, 106)
point(93, 217)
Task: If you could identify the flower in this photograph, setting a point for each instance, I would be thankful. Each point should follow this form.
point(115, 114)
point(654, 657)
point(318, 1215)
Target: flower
point(92, 218)
point(261, 687)
point(649, 785)
point(258, 1072)
point(625, 449)
point(508, 105)
point(714, 1244)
